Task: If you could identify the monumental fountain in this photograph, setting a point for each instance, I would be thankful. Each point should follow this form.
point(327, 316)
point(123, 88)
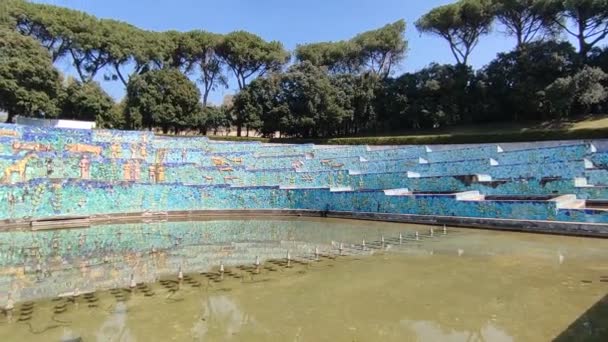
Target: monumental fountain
point(123, 235)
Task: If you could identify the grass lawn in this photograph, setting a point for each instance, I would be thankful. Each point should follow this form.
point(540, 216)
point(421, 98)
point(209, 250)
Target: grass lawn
point(583, 128)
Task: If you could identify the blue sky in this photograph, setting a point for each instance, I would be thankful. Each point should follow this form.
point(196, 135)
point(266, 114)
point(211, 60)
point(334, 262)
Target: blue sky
point(291, 22)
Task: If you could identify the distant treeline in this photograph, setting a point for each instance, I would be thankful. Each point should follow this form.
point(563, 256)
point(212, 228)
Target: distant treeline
point(323, 89)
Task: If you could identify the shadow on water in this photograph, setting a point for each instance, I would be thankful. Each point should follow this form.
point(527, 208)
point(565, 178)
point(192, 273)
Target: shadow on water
point(590, 326)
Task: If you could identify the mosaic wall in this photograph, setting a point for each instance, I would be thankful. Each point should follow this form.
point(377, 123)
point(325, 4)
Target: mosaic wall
point(48, 172)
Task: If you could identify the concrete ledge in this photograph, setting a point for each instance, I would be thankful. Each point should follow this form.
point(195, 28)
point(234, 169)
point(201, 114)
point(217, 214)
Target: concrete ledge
point(529, 226)
point(60, 222)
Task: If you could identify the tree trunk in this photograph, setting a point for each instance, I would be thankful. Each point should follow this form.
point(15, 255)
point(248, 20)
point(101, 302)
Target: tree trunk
point(583, 48)
point(9, 118)
point(238, 129)
point(124, 81)
point(205, 97)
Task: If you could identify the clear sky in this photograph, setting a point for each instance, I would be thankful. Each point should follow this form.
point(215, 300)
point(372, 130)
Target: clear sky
point(291, 22)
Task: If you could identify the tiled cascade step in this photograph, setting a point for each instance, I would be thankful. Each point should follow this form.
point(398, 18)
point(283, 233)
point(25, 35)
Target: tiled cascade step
point(561, 202)
point(462, 176)
point(568, 202)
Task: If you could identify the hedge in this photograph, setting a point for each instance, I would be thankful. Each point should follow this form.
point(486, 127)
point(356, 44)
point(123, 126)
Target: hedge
point(525, 136)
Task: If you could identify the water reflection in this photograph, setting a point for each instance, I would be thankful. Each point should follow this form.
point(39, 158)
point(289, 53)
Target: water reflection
point(49, 263)
point(221, 311)
point(115, 328)
point(466, 285)
point(431, 331)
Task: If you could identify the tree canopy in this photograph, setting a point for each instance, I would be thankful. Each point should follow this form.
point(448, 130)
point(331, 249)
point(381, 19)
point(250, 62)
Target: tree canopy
point(461, 24)
point(87, 102)
point(589, 17)
point(300, 102)
point(525, 20)
point(29, 84)
point(162, 98)
point(342, 87)
point(247, 54)
point(376, 51)
point(517, 80)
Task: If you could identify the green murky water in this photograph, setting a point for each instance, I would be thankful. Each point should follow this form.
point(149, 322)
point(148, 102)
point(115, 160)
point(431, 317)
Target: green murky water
point(466, 285)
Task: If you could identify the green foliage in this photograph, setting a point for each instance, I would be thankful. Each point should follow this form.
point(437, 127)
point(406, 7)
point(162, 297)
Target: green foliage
point(211, 119)
point(217, 118)
point(29, 84)
point(461, 24)
point(584, 88)
point(599, 58)
point(334, 88)
point(201, 52)
point(52, 26)
point(113, 119)
point(436, 96)
point(525, 20)
point(300, 102)
point(87, 102)
point(516, 81)
point(531, 135)
point(376, 51)
point(589, 17)
point(67, 32)
point(235, 138)
point(433, 139)
point(162, 98)
point(381, 49)
point(247, 54)
point(259, 97)
point(357, 97)
point(338, 57)
point(7, 17)
point(127, 45)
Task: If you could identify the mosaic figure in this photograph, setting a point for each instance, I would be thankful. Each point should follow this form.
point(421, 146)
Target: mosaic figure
point(11, 201)
point(160, 173)
point(85, 167)
point(156, 173)
point(152, 173)
point(8, 133)
point(33, 147)
point(136, 170)
point(184, 155)
point(143, 152)
point(18, 167)
point(133, 149)
point(127, 170)
point(83, 148)
point(49, 167)
point(161, 153)
point(115, 150)
point(217, 161)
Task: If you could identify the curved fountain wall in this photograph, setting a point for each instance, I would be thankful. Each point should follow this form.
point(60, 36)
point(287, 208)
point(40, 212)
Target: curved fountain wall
point(50, 172)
